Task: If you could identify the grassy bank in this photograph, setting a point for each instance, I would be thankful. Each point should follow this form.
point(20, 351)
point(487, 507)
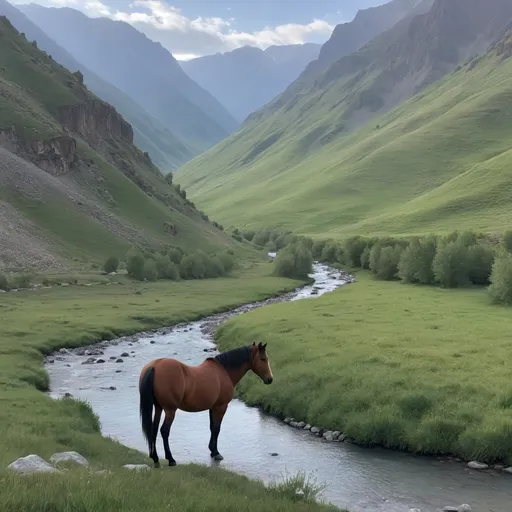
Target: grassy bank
point(40, 321)
point(407, 367)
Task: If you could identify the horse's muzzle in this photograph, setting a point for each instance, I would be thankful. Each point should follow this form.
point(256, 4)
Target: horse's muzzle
point(268, 380)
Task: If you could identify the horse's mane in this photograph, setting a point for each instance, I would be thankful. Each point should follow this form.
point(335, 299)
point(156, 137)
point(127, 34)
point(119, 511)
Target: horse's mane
point(233, 359)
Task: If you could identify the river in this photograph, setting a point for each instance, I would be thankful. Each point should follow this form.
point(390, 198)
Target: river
point(357, 478)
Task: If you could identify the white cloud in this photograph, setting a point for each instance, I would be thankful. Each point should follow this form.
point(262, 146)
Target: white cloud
point(188, 38)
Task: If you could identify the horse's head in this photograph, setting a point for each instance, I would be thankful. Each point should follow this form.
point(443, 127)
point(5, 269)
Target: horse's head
point(260, 364)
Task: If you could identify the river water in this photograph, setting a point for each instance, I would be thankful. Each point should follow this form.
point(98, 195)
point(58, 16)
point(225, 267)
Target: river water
point(357, 478)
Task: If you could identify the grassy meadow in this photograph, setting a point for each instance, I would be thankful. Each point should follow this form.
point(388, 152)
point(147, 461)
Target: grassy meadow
point(438, 161)
point(410, 367)
point(36, 322)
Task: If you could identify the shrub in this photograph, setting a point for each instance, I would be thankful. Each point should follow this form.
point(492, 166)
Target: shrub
point(248, 235)
point(330, 252)
point(192, 267)
point(271, 246)
point(4, 283)
point(175, 256)
point(150, 272)
point(294, 261)
point(228, 261)
point(135, 264)
point(237, 237)
point(261, 238)
point(450, 265)
point(162, 266)
point(501, 279)
point(415, 264)
point(480, 260)
point(318, 247)
point(507, 241)
point(386, 263)
point(111, 264)
point(468, 238)
point(21, 281)
point(354, 248)
point(215, 267)
point(365, 258)
point(168, 178)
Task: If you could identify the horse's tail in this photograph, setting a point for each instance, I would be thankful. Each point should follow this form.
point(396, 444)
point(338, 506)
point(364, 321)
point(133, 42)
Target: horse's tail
point(147, 402)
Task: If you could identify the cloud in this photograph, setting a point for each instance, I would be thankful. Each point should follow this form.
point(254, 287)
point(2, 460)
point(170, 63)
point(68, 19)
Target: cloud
point(191, 37)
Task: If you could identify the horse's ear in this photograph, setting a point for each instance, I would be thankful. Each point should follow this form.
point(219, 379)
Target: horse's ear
point(254, 344)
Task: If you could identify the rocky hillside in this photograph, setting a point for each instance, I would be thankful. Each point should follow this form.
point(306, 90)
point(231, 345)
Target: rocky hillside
point(73, 184)
point(149, 134)
point(247, 78)
point(328, 159)
point(143, 70)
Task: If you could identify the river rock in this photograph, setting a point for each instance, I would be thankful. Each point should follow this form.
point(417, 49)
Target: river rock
point(137, 467)
point(314, 430)
point(288, 420)
point(301, 424)
point(31, 464)
point(342, 438)
point(508, 470)
point(74, 457)
point(125, 354)
point(327, 433)
point(477, 465)
point(329, 437)
point(336, 434)
point(119, 360)
point(112, 358)
point(307, 427)
point(152, 342)
point(464, 508)
point(100, 361)
point(119, 371)
point(414, 510)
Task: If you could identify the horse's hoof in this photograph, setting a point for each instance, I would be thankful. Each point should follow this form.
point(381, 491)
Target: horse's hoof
point(172, 463)
point(218, 457)
point(157, 465)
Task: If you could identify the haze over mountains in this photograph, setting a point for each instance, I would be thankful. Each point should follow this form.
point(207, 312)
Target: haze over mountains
point(323, 157)
point(247, 78)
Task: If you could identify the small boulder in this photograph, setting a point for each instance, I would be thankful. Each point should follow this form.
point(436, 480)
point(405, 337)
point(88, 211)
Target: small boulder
point(30, 465)
point(477, 465)
point(74, 457)
point(137, 467)
point(314, 430)
point(336, 434)
point(329, 437)
point(414, 510)
point(91, 360)
point(342, 438)
point(464, 508)
point(507, 470)
point(100, 361)
point(125, 354)
point(307, 427)
point(301, 424)
point(119, 360)
point(152, 342)
point(274, 454)
point(119, 371)
point(327, 433)
point(288, 420)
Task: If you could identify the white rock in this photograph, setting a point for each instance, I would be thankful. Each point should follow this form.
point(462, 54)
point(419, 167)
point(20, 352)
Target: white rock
point(464, 508)
point(477, 465)
point(327, 433)
point(342, 438)
point(31, 464)
point(301, 424)
point(74, 457)
point(315, 430)
point(414, 510)
point(137, 467)
point(336, 434)
point(307, 427)
point(508, 470)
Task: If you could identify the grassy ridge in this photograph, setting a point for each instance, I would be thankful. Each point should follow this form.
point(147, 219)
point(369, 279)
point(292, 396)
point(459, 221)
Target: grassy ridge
point(403, 366)
point(440, 160)
point(31, 422)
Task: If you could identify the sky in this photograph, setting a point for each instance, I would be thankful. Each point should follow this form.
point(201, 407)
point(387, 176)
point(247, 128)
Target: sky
point(193, 28)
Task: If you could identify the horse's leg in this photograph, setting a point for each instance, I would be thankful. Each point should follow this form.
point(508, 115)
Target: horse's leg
point(165, 431)
point(216, 416)
point(156, 423)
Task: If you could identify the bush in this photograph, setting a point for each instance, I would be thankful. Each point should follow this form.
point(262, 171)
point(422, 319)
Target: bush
point(192, 267)
point(150, 272)
point(501, 280)
point(248, 235)
point(163, 264)
point(330, 252)
point(111, 264)
point(450, 265)
point(480, 260)
point(365, 258)
point(261, 238)
point(21, 281)
point(4, 283)
point(228, 262)
point(318, 247)
point(354, 248)
point(385, 262)
point(135, 264)
point(294, 261)
point(175, 256)
point(507, 241)
point(237, 237)
point(415, 264)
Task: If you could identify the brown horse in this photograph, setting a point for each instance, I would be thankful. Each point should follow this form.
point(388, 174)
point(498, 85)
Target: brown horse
point(169, 385)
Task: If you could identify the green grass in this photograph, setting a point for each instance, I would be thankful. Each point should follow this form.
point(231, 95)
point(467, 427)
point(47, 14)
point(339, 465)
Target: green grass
point(408, 367)
point(37, 322)
point(441, 159)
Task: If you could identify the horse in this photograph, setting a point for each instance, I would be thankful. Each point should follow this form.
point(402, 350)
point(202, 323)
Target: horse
point(168, 385)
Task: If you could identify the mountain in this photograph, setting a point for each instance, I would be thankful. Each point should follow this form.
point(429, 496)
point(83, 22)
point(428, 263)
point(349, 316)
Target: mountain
point(74, 187)
point(247, 78)
point(142, 69)
point(339, 159)
point(150, 135)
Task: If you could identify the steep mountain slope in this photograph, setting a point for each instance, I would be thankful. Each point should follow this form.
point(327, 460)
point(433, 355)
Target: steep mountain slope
point(73, 185)
point(247, 78)
point(150, 135)
point(441, 160)
point(142, 69)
